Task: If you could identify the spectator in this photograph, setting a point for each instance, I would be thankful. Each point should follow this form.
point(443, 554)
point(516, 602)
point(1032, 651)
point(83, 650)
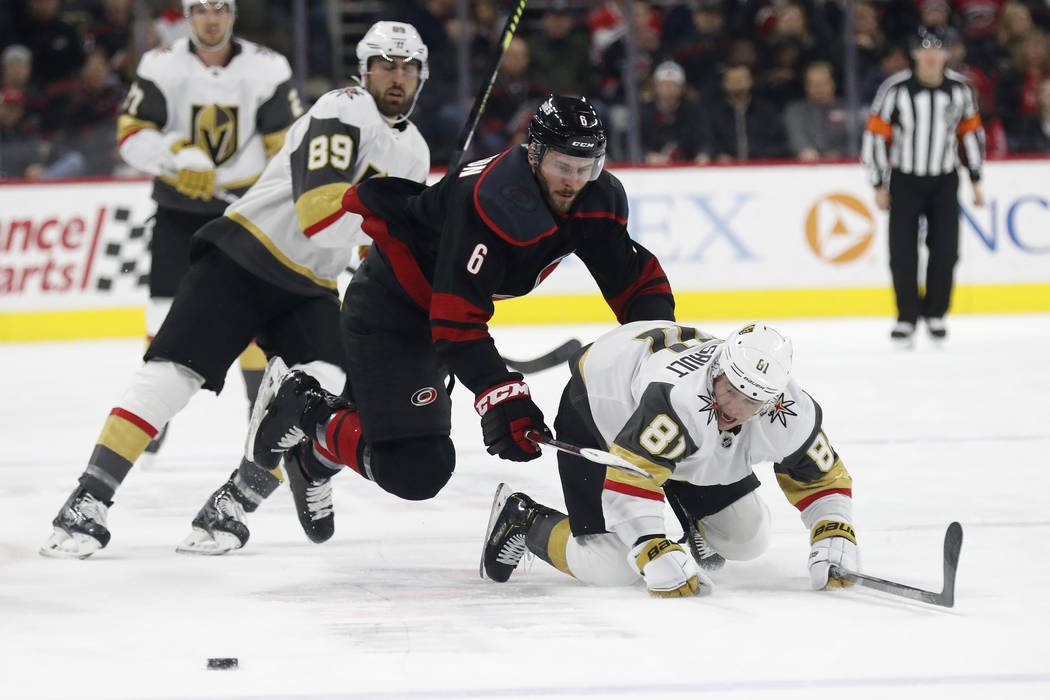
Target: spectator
point(23, 153)
point(893, 60)
point(995, 141)
point(1017, 95)
point(111, 30)
point(789, 47)
point(818, 126)
point(613, 64)
point(934, 13)
point(1033, 134)
point(16, 71)
point(701, 46)
point(559, 55)
point(1015, 23)
point(868, 37)
point(671, 125)
point(512, 102)
point(743, 126)
point(978, 23)
point(89, 115)
point(56, 46)
point(20, 145)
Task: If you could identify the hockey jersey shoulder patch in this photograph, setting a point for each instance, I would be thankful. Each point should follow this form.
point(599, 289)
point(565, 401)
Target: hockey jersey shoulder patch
point(508, 199)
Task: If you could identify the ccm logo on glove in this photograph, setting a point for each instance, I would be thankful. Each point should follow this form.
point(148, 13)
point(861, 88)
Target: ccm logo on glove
point(499, 394)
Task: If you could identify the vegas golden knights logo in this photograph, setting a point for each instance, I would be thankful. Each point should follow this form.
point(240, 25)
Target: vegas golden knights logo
point(214, 129)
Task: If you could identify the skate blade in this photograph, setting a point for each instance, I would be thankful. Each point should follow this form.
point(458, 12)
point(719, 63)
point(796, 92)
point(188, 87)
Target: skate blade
point(503, 492)
point(202, 542)
point(62, 545)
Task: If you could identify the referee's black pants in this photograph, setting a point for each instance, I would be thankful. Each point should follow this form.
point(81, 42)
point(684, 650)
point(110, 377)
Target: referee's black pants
point(936, 197)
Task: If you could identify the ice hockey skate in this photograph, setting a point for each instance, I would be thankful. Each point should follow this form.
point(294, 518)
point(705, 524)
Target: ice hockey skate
point(509, 522)
point(312, 496)
point(274, 426)
point(704, 554)
point(219, 526)
point(80, 528)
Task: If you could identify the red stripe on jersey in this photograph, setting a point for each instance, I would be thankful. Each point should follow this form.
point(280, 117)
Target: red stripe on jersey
point(492, 224)
point(449, 307)
point(457, 335)
point(595, 215)
point(808, 500)
point(405, 268)
point(323, 224)
point(629, 490)
point(128, 136)
point(139, 423)
point(651, 273)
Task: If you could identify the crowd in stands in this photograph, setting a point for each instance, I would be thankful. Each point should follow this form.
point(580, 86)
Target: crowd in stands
point(718, 80)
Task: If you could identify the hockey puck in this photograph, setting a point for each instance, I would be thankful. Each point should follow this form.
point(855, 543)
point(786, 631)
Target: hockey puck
point(222, 664)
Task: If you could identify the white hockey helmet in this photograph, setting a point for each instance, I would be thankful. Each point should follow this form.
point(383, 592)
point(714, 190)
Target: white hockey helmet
point(187, 8)
point(757, 361)
point(394, 40)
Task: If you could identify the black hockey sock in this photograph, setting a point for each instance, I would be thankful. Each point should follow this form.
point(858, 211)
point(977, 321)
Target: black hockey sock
point(252, 380)
point(105, 473)
point(253, 484)
point(316, 465)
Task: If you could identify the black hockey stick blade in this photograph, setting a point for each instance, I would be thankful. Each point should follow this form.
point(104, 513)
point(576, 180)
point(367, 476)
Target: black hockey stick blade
point(946, 598)
point(591, 454)
point(466, 135)
point(555, 357)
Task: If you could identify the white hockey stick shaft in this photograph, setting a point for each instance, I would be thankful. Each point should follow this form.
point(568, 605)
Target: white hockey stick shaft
point(591, 454)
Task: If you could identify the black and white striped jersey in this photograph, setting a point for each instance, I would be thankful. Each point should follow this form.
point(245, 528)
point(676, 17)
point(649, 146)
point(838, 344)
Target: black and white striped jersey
point(921, 130)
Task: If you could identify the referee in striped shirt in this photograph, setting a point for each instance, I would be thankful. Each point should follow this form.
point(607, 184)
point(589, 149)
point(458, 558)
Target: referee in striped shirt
point(923, 124)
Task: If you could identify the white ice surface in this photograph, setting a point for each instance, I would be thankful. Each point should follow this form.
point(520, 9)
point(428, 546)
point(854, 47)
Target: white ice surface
point(392, 606)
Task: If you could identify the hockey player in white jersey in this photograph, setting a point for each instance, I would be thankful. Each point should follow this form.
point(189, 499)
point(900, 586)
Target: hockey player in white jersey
point(206, 112)
point(265, 270)
point(696, 414)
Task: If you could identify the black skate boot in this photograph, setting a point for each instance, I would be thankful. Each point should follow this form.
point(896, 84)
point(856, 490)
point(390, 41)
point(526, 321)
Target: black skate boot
point(704, 554)
point(220, 524)
point(80, 527)
point(509, 521)
point(312, 495)
point(282, 399)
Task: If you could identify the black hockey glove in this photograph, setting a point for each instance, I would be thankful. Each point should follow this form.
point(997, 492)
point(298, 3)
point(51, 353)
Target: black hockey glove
point(507, 411)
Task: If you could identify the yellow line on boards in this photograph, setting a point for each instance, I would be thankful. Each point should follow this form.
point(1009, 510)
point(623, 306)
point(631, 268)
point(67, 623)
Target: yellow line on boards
point(591, 308)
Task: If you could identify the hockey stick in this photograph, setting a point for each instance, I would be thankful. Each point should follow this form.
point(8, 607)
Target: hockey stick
point(946, 598)
point(466, 135)
point(555, 357)
point(591, 454)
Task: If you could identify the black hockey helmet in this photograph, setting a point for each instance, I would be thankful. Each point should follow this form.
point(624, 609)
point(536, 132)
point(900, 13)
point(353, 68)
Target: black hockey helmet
point(930, 38)
point(571, 126)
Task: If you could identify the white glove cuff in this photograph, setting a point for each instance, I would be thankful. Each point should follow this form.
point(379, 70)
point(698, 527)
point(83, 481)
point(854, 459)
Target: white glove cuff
point(835, 506)
point(193, 158)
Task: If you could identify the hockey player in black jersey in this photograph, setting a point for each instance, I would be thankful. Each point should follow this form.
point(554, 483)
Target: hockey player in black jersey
point(421, 301)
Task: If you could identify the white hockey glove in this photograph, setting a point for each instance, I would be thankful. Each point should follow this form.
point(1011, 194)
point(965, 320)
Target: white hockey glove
point(832, 543)
point(195, 171)
point(668, 571)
